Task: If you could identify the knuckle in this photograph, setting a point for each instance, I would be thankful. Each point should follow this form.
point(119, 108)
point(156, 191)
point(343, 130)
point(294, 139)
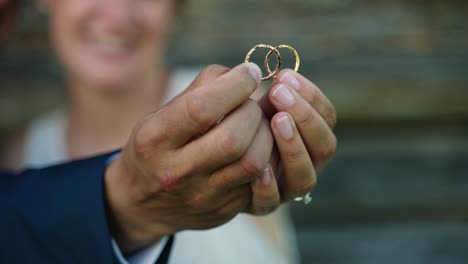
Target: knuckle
point(219, 179)
point(307, 117)
point(144, 141)
point(314, 93)
point(231, 144)
point(330, 148)
point(140, 146)
point(332, 118)
point(252, 165)
point(211, 70)
point(197, 201)
point(197, 111)
point(230, 177)
point(294, 155)
point(214, 68)
point(169, 180)
point(141, 192)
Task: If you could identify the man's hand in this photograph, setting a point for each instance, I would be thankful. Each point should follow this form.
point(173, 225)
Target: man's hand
point(183, 168)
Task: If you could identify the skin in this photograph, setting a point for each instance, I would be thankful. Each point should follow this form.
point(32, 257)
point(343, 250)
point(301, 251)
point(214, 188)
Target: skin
point(109, 45)
point(179, 163)
point(171, 172)
point(112, 51)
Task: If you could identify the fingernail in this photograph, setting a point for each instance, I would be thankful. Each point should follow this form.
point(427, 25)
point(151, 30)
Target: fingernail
point(291, 80)
point(284, 96)
point(284, 126)
point(266, 177)
point(255, 71)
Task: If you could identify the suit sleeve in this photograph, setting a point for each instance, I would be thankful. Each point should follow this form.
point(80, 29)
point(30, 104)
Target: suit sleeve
point(55, 215)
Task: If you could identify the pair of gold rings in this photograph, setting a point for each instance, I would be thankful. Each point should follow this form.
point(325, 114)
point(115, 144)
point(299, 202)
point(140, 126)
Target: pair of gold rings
point(274, 50)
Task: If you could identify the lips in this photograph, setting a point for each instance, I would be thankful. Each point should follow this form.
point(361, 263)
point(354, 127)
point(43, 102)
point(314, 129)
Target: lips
point(111, 44)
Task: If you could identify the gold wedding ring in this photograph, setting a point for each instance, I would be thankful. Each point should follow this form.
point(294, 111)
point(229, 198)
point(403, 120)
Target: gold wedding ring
point(293, 50)
point(274, 50)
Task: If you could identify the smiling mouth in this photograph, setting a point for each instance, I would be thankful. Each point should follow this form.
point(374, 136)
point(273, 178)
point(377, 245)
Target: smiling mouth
point(111, 44)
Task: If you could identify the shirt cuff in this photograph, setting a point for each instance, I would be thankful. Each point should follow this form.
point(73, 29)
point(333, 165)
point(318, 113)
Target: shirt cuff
point(148, 255)
point(113, 157)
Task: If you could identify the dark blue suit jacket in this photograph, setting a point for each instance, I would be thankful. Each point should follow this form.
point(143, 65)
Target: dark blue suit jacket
point(55, 215)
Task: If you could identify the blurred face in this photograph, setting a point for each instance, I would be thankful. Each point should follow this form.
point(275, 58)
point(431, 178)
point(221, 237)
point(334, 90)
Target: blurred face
point(109, 43)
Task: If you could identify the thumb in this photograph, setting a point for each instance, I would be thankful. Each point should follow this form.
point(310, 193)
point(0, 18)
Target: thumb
point(208, 74)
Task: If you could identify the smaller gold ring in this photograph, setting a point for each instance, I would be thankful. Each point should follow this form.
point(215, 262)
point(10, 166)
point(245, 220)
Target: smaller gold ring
point(272, 50)
point(293, 50)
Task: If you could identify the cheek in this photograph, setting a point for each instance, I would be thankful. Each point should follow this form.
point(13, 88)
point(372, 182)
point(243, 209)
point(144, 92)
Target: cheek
point(66, 26)
point(157, 22)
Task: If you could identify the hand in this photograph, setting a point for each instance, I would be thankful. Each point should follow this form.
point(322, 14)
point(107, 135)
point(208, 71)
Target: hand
point(302, 119)
point(182, 169)
point(265, 191)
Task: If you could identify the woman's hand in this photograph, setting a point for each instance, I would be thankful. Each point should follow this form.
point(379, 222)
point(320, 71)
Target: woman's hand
point(182, 168)
point(302, 120)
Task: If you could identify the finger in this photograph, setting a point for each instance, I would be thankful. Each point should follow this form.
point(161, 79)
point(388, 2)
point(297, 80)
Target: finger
point(220, 146)
point(318, 137)
point(275, 161)
point(310, 93)
point(217, 210)
point(299, 175)
point(267, 107)
point(226, 142)
point(207, 199)
point(251, 164)
point(265, 193)
point(208, 74)
point(201, 108)
point(238, 202)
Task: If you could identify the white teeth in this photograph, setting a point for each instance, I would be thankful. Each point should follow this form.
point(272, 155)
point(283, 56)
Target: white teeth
point(110, 43)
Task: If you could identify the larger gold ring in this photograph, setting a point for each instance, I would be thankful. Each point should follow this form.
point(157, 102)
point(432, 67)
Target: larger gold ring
point(293, 50)
point(267, 59)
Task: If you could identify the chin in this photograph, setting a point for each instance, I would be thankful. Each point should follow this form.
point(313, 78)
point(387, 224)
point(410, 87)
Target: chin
point(112, 84)
point(107, 79)
point(103, 71)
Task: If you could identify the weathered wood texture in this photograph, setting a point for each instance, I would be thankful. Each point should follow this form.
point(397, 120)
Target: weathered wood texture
point(397, 191)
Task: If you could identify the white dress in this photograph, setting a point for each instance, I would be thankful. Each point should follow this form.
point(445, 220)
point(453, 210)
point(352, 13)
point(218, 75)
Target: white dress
point(238, 241)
